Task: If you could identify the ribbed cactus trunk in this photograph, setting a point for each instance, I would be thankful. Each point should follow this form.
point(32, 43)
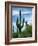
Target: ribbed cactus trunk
point(20, 17)
point(20, 22)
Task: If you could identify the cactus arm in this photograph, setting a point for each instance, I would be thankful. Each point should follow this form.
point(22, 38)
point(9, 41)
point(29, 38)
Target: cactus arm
point(17, 22)
point(22, 23)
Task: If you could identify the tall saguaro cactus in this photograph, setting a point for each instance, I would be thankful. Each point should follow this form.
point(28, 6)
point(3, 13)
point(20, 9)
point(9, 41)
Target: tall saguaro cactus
point(21, 24)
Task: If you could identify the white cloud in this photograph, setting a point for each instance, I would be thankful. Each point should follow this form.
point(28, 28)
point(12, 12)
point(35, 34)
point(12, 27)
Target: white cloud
point(25, 12)
point(29, 22)
point(15, 12)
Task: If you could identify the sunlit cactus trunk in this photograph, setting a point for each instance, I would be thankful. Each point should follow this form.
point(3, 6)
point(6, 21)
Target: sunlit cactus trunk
point(19, 26)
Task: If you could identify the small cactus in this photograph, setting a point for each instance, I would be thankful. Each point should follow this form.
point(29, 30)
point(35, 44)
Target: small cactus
point(26, 23)
point(13, 28)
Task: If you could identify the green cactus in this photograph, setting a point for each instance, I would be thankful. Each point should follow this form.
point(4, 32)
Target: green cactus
point(26, 23)
point(19, 26)
point(13, 28)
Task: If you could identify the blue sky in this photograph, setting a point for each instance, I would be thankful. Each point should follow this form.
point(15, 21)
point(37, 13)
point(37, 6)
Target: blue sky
point(26, 13)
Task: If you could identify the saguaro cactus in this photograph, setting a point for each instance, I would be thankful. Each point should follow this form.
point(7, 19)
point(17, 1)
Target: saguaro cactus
point(13, 28)
point(19, 25)
point(26, 23)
